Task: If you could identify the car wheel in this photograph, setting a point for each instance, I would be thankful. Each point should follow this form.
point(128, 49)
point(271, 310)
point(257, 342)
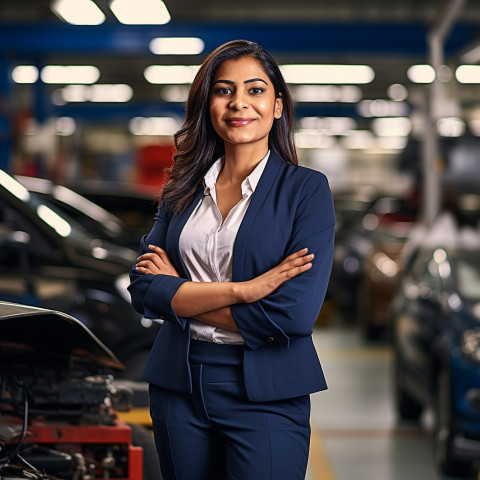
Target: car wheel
point(142, 437)
point(407, 407)
point(443, 440)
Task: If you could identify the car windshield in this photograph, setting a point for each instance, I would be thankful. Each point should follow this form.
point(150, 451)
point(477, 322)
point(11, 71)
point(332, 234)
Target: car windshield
point(467, 268)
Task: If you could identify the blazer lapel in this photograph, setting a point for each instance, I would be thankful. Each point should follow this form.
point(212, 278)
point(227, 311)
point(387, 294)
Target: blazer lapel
point(175, 229)
point(272, 169)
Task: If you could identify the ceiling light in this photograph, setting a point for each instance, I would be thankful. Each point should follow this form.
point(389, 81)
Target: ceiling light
point(140, 12)
point(421, 73)
point(70, 74)
point(358, 139)
point(177, 46)
point(328, 74)
point(392, 143)
point(392, 126)
point(97, 93)
point(311, 139)
point(25, 74)
point(78, 12)
point(170, 74)
point(468, 74)
point(326, 93)
point(397, 92)
point(175, 93)
point(382, 108)
point(153, 126)
point(328, 125)
point(451, 127)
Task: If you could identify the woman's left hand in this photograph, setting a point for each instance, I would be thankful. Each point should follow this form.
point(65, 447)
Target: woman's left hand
point(156, 263)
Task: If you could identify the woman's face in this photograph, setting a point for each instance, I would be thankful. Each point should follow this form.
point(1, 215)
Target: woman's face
point(242, 102)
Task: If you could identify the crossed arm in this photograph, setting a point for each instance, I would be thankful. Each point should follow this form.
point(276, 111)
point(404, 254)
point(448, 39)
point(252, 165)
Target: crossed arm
point(210, 301)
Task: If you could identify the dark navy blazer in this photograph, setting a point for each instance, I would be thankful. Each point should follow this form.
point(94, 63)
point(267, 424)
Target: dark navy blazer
point(291, 208)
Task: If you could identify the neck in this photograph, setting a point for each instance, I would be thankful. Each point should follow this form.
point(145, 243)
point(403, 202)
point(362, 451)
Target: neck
point(241, 160)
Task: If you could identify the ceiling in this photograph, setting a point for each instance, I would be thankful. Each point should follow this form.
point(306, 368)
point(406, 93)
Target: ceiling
point(387, 35)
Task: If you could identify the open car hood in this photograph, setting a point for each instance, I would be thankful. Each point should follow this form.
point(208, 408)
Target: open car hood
point(49, 332)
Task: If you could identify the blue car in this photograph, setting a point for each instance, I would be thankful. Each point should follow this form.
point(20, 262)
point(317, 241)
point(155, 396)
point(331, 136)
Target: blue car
point(436, 331)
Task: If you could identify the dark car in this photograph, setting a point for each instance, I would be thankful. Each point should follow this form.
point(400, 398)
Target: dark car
point(49, 260)
point(367, 262)
point(134, 206)
point(436, 331)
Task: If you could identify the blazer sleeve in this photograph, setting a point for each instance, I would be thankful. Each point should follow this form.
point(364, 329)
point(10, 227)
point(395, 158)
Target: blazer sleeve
point(152, 294)
point(292, 309)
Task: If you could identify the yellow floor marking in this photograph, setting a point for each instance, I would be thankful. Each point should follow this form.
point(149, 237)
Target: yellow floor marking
point(319, 464)
point(140, 416)
point(356, 353)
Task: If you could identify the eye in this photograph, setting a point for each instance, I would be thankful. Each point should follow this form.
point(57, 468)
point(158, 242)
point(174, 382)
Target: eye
point(256, 90)
point(223, 91)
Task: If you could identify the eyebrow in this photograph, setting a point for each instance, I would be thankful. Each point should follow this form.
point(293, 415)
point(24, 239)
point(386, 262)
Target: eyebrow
point(229, 82)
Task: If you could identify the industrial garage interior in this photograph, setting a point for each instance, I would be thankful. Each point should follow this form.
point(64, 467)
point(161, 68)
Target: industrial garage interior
point(387, 105)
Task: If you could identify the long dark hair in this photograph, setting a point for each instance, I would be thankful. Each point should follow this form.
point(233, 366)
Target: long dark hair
point(198, 145)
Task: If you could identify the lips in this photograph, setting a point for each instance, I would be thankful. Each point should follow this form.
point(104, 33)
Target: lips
point(239, 122)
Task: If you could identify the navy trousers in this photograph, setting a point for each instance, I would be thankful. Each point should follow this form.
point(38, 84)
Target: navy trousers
point(216, 433)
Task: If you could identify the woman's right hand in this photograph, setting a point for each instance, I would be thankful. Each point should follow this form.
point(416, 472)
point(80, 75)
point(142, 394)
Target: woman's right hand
point(261, 286)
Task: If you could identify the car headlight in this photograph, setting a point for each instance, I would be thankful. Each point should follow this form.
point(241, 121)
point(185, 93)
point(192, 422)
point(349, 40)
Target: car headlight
point(121, 284)
point(471, 345)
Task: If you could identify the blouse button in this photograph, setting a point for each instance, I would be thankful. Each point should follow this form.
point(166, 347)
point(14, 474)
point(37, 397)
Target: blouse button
point(270, 340)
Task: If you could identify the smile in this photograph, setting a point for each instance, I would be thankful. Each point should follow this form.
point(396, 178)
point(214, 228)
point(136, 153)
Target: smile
point(239, 122)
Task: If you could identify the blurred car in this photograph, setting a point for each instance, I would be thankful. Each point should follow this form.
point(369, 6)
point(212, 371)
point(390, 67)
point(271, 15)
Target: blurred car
point(367, 260)
point(58, 403)
point(98, 221)
point(49, 260)
point(135, 207)
point(436, 332)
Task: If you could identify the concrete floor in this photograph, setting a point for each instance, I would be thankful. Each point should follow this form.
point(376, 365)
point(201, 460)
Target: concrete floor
point(355, 435)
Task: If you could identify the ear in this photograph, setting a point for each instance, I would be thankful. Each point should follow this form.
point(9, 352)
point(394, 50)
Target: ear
point(278, 108)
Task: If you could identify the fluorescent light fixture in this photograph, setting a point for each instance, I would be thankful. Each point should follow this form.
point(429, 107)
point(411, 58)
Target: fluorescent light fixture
point(474, 125)
point(328, 125)
point(392, 143)
point(451, 127)
point(392, 126)
point(328, 74)
point(312, 139)
point(60, 225)
point(70, 74)
point(358, 140)
point(177, 46)
point(421, 73)
point(326, 93)
point(153, 126)
point(175, 93)
point(468, 74)
point(382, 108)
point(170, 74)
point(25, 74)
point(397, 92)
point(140, 12)
point(14, 187)
point(116, 93)
point(78, 12)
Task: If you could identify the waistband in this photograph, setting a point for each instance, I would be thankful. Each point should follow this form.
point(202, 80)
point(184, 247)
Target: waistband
point(209, 353)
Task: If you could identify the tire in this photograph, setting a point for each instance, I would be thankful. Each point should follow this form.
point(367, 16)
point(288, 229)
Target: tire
point(406, 406)
point(142, 437)
point(444, 434)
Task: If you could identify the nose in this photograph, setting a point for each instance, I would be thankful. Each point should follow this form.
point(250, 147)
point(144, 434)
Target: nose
point(238, 101)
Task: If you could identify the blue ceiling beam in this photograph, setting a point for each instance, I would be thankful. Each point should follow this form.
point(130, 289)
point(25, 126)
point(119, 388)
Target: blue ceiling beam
point(288, 39)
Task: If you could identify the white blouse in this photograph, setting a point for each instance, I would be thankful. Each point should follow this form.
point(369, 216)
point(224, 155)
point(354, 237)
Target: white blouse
point(206, 243)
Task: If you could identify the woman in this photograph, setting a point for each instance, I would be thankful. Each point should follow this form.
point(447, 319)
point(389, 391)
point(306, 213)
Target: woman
point(237, 264)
